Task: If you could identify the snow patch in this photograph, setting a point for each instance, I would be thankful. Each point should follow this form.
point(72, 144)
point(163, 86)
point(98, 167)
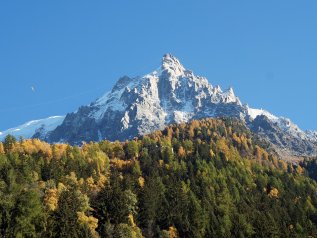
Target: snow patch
point(125, 121)
point(28, 129)
point(181, 116)
point(172, 65)
point(254, 113)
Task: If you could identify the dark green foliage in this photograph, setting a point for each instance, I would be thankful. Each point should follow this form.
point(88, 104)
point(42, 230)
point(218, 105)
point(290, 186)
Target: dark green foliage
point(311, 167)
point(21, 214)
point(8, 143)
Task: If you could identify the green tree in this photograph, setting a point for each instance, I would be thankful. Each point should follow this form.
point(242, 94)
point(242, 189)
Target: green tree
point(9, 142)
point(66, 223)
point(27, 218)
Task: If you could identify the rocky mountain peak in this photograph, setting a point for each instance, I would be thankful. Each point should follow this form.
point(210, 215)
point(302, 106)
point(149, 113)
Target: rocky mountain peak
point(230, 97)
point(230, 91)
point(172, 65)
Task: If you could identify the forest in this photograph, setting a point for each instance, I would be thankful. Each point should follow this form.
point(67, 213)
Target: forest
point(206, 178)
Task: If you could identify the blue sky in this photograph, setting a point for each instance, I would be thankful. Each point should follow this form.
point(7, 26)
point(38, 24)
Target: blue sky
point(71, 52)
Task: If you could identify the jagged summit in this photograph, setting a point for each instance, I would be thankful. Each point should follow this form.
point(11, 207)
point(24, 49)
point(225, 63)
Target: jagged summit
point(172, 64)
point(171, 94)
point(140, 105)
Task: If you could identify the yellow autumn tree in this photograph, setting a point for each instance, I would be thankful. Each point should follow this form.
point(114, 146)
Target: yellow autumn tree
point(101, 181)
point(191, 132)
point(223, 148)
point(1, 148)
point(141, 182)
point(172, 232)
point(32, 146)
point(274, 193)
point(177, 133)
point(91, 186)
point(101, 162)
point(90, 221)
point(58, 150)
point(283, 165)
point(119, 163)
point(181, 152)
point(236, 139)
point(169, 133)
point(261, 154)
point(299, 169)
point(51, 199)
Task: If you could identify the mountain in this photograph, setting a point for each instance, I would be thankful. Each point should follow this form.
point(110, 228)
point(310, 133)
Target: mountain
point(140, 105)
point(172, 94)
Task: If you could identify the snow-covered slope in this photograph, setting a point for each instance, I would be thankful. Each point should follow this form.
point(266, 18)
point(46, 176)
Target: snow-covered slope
point(254, 113)
point(29, 129)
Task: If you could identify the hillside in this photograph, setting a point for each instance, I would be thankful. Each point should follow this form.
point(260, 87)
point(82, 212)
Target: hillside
point(206, 178)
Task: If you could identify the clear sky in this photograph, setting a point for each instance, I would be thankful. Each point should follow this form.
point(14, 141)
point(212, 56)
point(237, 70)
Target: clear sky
point(58, 55)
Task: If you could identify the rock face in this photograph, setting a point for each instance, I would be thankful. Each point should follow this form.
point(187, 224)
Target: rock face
point(171, 94)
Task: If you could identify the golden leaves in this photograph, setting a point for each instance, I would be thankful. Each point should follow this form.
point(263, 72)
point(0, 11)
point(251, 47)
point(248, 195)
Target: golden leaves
point(274, 193)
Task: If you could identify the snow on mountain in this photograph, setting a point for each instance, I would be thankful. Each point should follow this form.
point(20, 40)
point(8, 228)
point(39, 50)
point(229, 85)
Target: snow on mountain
point(253, 113)
point(30, 128)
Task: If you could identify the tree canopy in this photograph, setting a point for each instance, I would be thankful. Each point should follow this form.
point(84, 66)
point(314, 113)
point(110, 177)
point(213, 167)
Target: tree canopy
point(207, 178)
